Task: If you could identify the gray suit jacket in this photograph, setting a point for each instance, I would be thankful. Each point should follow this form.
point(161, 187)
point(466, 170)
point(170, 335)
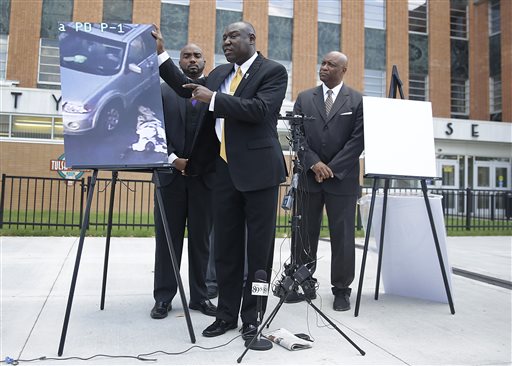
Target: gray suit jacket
point(337, 139)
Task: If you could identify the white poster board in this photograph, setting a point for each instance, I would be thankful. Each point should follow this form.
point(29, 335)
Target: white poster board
point(398, 138)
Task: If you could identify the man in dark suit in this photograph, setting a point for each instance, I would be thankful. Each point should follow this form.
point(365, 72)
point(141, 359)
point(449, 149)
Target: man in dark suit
point(187, 198)
point(241, 106)
point(334, 142)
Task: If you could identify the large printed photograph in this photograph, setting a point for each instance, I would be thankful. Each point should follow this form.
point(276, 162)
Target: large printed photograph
point(111, 99)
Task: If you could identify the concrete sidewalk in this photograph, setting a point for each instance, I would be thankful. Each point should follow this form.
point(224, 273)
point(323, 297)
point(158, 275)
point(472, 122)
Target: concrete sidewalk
point(36, 275)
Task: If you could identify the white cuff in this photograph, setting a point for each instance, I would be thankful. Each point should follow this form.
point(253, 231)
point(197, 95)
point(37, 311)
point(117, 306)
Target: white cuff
point(211, 107)
point(171, 158)
point(163, 57)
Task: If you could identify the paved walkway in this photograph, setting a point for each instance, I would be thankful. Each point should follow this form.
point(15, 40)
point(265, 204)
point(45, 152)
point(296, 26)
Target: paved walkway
point(395, 330)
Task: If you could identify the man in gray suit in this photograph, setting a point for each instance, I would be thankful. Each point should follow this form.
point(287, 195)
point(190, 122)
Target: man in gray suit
point(334, 142)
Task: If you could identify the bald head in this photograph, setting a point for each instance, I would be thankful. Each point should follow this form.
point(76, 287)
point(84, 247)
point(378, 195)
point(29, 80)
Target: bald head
point(192, 61)
point(239, 42)
point(333, 68)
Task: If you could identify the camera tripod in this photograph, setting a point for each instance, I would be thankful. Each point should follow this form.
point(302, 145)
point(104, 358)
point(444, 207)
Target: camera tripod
point(285, 287)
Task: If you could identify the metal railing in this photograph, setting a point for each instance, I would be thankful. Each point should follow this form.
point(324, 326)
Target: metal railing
point(37, 202)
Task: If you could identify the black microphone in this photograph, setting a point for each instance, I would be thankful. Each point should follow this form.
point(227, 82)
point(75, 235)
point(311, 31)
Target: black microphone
point(258, 289)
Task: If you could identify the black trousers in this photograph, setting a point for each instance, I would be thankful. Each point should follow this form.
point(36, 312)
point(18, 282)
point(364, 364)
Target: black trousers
point(341, 217)
point(187, 203)
point(238, 215)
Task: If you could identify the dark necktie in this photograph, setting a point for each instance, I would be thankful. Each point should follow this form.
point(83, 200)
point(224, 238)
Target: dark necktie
point(328, 102)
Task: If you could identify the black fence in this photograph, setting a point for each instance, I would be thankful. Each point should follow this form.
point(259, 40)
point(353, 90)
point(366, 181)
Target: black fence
point(36, 202)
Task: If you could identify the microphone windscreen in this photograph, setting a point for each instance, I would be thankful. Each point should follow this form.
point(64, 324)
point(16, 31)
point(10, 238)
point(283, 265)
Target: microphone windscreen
point(260, 275)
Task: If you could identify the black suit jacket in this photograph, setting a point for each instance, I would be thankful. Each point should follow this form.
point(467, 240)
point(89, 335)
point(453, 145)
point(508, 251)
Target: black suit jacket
point(337, 139)
point(255, 158)
point(175, 119)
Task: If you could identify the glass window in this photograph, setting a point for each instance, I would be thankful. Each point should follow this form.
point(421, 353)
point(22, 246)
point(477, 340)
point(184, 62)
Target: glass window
point(236, 5)
point(459, 97)
point(174, 25)
point(58, 129)
point(5, 15)
point(117, 11)
point(374, 14)
point(459, 19)
point(495, 98)
point(501, 177)
point(418, 87)
point(223, 19)
point(32, 127)
point(177, 2)
point(374, 83)
point(4, 125)
point(483, 178)
point(280, 32)
point(494, 17)
point(4, 43)
point(374, 49)
point(329, 11)
point(448, 175)
point(495, 54)
point(459, 78)
point(418, 16)
point(418, 66)
point(280, 8)
point(49, 65)
point(53, 13)
point(329, 35)
point(329, 27)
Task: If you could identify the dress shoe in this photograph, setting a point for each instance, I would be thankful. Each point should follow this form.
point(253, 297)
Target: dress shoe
point(205, 306)
point(160, 310)
point(341, 302)
point(248, 331)
point(294, 296)
point(213, 292)
point(218, 327)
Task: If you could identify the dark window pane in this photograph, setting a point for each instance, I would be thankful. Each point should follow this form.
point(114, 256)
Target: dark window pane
point(459, 58)
point(223, 19)
point(374, 49)
point(280, 32)
point(174, 25)
point(5, 15)
point(495, 54)
point(53, 13)
point(117, 11)
point(418, 54)
point(328, 38)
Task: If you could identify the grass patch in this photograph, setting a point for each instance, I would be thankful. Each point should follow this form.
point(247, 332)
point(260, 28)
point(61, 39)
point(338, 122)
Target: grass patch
point(45, 225)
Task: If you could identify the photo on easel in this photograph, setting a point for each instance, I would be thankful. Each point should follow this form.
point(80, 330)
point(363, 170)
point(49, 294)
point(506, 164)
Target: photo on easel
point(111, 100)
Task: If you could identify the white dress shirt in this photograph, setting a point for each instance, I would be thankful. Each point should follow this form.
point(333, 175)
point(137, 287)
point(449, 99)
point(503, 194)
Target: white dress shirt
point(224, 88)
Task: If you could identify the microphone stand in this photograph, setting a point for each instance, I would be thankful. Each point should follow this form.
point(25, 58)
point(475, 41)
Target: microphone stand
point(288, 285)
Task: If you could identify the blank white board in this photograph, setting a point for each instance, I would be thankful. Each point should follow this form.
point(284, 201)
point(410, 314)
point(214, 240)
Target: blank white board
point(398, 138)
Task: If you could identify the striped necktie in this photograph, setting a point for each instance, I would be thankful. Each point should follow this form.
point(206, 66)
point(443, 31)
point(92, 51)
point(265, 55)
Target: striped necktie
point(232, 88)
point(328, 102)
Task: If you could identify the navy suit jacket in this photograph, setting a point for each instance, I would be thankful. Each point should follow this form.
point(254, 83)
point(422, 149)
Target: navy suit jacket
point(337, 140)
point(255, 158)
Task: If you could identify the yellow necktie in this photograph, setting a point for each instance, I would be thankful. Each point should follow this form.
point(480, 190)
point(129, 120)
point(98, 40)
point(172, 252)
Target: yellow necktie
point(232, 87)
